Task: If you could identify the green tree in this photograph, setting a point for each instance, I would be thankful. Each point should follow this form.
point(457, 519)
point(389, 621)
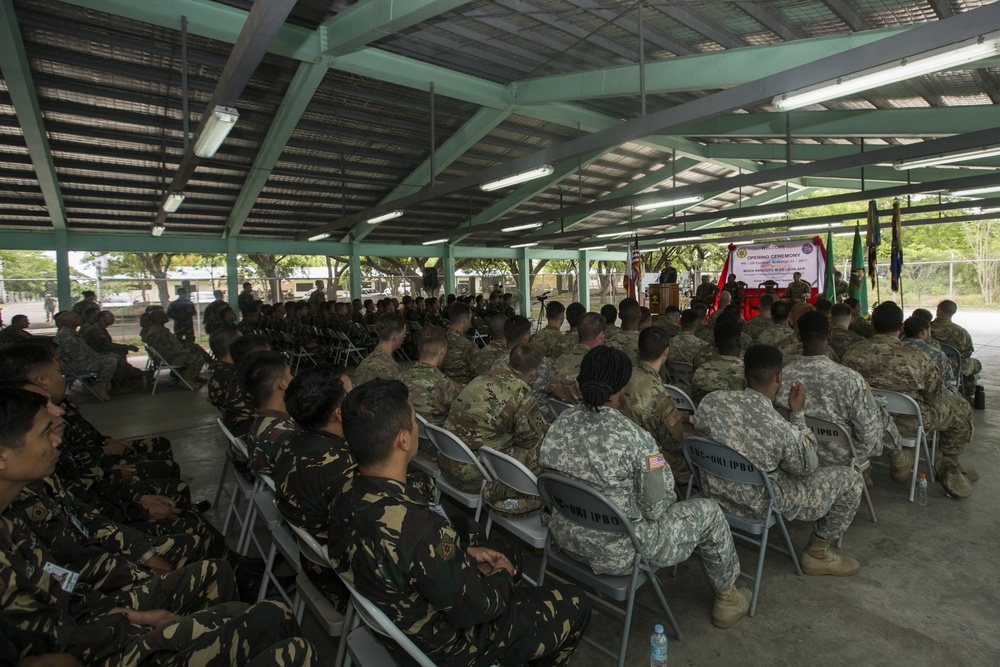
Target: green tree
point(26, 271)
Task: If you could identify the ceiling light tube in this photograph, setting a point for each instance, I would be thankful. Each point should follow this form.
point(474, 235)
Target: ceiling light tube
point(974, 191)
point(320, 237)
point(947, 158)
point(435, 242)
point(520, 177)
point(844, 234)
point(173, 201)
point(217, 127)
point(519, 228)
point(391, 215)
point(157, 230)
point(523, 245)
point(594, 247)
point(729, 243)
point(825, 225)
point(995, 209)
point(680, 201)
point(683, 239)
point(759, 216)
point(614, 235)
point(944, 58)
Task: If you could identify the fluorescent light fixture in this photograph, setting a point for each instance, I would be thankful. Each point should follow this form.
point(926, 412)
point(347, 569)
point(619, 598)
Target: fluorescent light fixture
point(974, 191)
point(520, 177)
point(947, 158)
point(728, 243)
point(173, 201)
point(320, 237)
point(157, 230)
point(682, 239)
point(614, 235)
point(680, 201)
point(826, 225)
point(995, 209)
point(519, 228)
point(391, 215)
point(944, 58)
point(844, 234)
point(759, 216)
point(435, 242)
point(217, 127)
point(523, 245)
point(598, 247)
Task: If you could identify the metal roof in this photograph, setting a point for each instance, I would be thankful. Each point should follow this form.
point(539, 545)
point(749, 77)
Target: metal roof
point(336, 118)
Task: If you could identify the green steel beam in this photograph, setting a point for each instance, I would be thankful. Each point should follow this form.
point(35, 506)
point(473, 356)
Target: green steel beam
point(370, 20)
point(703, 71)
point(810, 153)
point(64, 292)
point(232, 273)
point(453, 148)
point(355, 272)
point(300, 92)
point(21, 87)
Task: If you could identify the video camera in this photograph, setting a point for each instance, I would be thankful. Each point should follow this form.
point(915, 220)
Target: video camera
point(542, 297)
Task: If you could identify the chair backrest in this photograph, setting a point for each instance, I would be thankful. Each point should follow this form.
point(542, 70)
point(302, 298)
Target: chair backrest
point(451, 447)
point(151, 351)
point(509, 471)
point(225, 430)
point(241, 447)
point(721, 461)
point(558, 407)
point(309, 546)
point(422, 428)
point(268, 481)
point(831, 433)
point(681, 399)
point(375, 619)
point(952, 352)
point(584, 506)
point(680, 370)
point(900, 404)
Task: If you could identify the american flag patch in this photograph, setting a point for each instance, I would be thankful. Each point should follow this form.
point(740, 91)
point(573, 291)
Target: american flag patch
point(656, 461)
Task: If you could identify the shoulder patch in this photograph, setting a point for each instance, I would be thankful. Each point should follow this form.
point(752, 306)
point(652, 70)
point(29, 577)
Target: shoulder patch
point(655, 461)
point(674, 417)
point(447, 549)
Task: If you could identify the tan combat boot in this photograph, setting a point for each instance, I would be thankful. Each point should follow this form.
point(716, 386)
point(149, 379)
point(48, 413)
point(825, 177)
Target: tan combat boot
point(867, 474)
point(817, 560)
point(902, 464)
point(971, 473)
point(731, 606)
point(954, 481)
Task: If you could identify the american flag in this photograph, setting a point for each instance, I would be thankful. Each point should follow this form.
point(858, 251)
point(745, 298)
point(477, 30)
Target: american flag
point(634, 270)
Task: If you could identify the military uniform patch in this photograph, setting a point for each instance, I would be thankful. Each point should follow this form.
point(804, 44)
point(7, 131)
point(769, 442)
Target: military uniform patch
point(655, 461)
point(447, 549)
point(674, 418)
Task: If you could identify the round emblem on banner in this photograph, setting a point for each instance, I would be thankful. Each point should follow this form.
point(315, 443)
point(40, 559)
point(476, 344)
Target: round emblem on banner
point(807, 248)
point(741, 253)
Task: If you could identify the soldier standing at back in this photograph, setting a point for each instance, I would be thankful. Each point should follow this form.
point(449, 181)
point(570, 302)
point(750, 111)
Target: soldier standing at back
point(183, 312)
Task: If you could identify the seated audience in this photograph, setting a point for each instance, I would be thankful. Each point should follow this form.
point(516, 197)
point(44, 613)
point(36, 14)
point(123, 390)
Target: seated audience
point(627, 339)
point(15, 332)
point(173, 350)
point(265, 376)
point(457, 363)
point(724, 370)
point(431, 393)
point(550, 340)
point(482, 359)
point(841, 336)
point(564, 385)
point(917, 334)
point(391, 330)
point(946, 331)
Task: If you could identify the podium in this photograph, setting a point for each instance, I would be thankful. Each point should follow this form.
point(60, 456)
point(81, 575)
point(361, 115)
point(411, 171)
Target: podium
point(662, 295)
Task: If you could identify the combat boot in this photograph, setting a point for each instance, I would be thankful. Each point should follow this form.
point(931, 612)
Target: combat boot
point(971, 473)
point(867, 474)
point(817, 560)
point(954, 481)
point(731, 606)
point(101, 391)
point(902, 464)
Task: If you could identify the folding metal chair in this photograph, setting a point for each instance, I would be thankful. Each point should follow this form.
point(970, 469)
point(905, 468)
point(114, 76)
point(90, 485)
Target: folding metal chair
point(680, 372)
point(422, 463)
point(72, 376)
point(282, 540)
point(955, 357)
point(681, 398)
point(558, 407)
point(348, 350)
point(296, 352)
point(362, 645)
point(159, 363)
point(244, 488)
point(451, 447)
point(834, 434)
point(903, 405)
point(590, 509)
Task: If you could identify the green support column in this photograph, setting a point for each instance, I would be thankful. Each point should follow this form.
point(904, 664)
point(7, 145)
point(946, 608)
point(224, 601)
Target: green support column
point(449, 270)
point(355, 272)
point(232, 273)
point(64, 289)
point(583, 279)
point(524, 282)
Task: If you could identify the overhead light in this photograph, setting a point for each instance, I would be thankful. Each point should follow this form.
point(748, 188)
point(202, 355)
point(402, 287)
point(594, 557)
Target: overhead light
point(520, 177)
point(523, 245)
point(614, 235)
point(729, 243)
point(602, 247)
point(680, 201)
point(435, 242)
point(944, 58)
point(157, 230)
point(974, 191)
point(385, 216)
point(947, 158)
point(682, 239)
point(173, 201)
point(844, 234)
point(533, 225)
point(995, 209)
point(320, 237)
point(217, 127)
point(801, 228)
point(759, 216)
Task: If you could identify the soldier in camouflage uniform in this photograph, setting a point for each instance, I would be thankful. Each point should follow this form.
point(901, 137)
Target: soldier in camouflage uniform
point(564, 385)
point(517, 329)
point(266, 376)
point(762, 320)
point(859, 324)
point(917, 334)
point(627, 339)
point(115, 614)
point(224, 390)
point(183, 312)
point(735, 289)
point(946, 331)
point(725, 298)
point(595, 444)
point(725, 371)
point(671, 321)
point(648, 404)
point(706, 292)
point(840, 286)
point(174, 352)
point(684, 347)
point(798, 290)
point(80, 357)
point(457, 364)
point(482, 359)
point(888, 364)
point(610, 314)
point(498, 410)
point(249, 323)
point(779, 328)
point(574, 313)
point(431, 393)
point(841, 336)
point(836, 394)
point(550, 340)
point(747, 422)
point(433, 316)
point(701, 331)
point(391, 330)
point(455, 599)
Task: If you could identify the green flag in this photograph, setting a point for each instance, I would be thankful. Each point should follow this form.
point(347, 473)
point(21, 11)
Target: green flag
point(858, 287)
point(831, 289)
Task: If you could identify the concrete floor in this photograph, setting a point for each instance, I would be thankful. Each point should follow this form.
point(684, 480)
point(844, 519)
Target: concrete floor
point(927, 594)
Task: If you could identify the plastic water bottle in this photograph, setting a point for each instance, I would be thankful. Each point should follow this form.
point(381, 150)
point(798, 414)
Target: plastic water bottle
point(658, 647)
point(921, 495)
